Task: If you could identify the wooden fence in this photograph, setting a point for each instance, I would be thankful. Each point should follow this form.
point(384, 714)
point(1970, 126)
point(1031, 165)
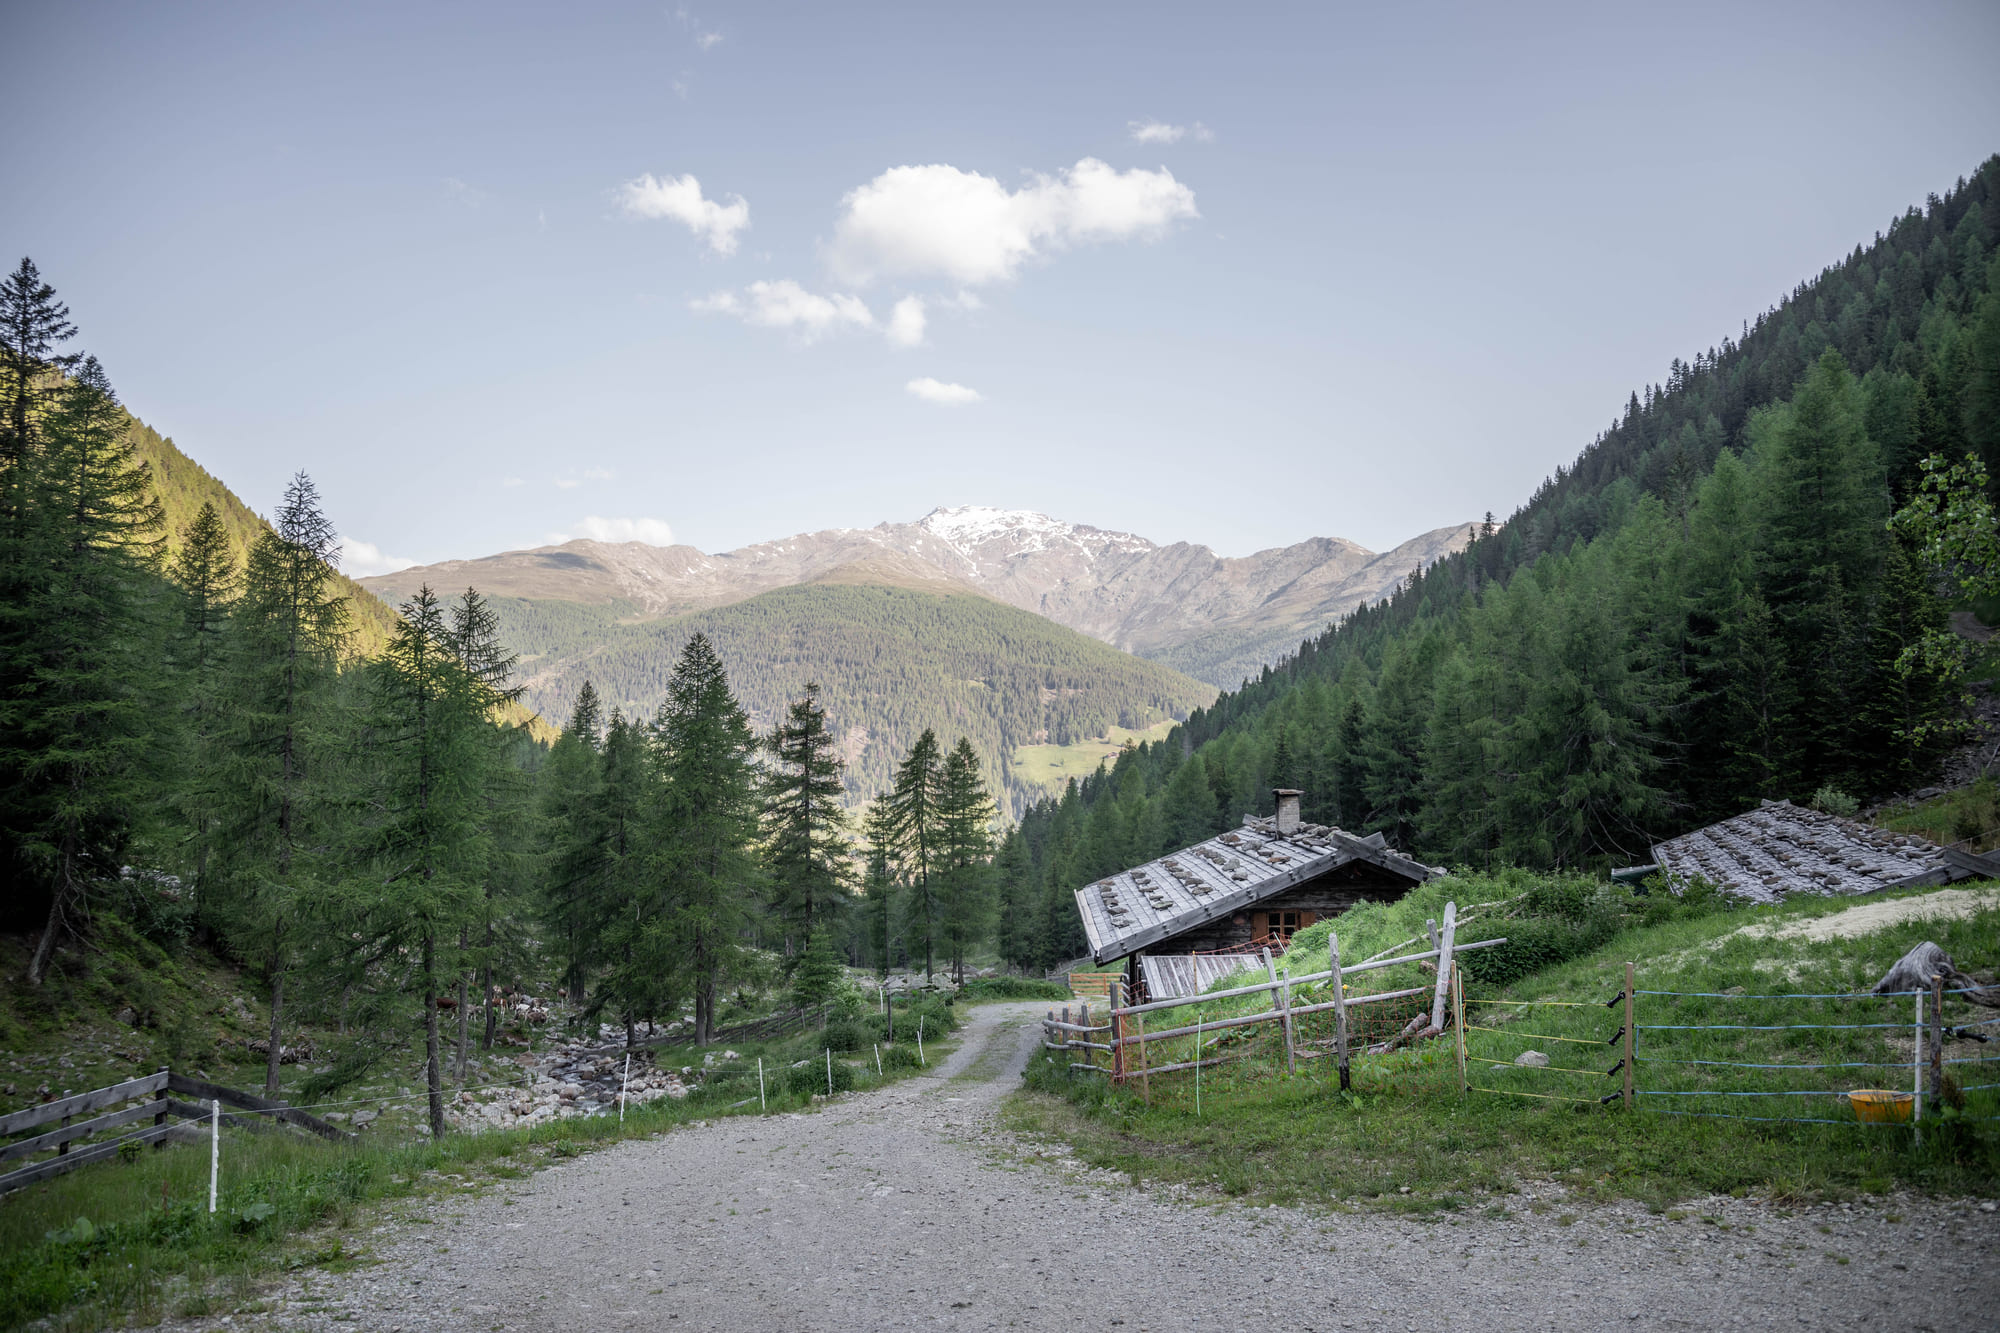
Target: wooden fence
point(1122, 1041)
point(152, 1098)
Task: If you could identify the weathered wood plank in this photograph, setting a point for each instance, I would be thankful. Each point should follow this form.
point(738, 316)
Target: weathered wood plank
point(43, 1142)
point(1308, 979)
point(1444, 965)
point(277, 1110)
point(96, 1152)
point(81, 1102)
point(1339, 1007)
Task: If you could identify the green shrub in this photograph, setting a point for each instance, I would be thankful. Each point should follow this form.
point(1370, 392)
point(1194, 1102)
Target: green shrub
point(852, 1034)
point(900, 1056)
point(810, 1078)
point(1832, 800)
point(938, 1017)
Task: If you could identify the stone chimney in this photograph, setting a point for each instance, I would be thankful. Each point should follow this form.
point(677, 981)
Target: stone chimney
point(1288, 810)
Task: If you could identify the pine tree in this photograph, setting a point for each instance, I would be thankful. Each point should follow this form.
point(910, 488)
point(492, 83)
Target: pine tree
point(1020, 903)
point(807, 852)
point(708, 823)
point(910, 820)
point(816, 981)
point(569, 794)
point(629, 923)
point(964, 844)
point(33, 323)
point(279, 762)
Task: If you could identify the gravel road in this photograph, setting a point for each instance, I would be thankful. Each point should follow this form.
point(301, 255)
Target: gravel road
point(908, 1208)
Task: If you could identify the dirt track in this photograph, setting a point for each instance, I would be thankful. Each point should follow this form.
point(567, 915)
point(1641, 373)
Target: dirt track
point(907, 1209)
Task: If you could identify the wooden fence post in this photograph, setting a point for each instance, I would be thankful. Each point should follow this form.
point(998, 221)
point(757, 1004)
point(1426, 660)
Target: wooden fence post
point(160, 1118)
point(1339, 1010)
point(1458, 1023)
point(1937, 1040)
point(1083, 1021)
point(1117, 1031)
point(1069, 1056)
point(1145, 1075)
point(1444, 965)
point(1631, 1037)
point(1282, 1004)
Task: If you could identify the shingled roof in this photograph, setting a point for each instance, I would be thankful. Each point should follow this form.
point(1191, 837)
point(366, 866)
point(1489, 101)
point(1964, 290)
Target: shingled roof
point(1219, 877)
point(1780, 850)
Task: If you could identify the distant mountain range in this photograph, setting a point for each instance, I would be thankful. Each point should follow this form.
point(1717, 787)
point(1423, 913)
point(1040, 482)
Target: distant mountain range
point(1214, 618)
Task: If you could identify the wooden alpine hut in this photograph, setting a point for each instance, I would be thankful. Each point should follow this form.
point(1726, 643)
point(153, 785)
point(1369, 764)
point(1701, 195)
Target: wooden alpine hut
point(1191, 913)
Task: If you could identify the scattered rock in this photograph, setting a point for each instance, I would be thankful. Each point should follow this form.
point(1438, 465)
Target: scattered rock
point(1532, 1060)
point(362, 1118)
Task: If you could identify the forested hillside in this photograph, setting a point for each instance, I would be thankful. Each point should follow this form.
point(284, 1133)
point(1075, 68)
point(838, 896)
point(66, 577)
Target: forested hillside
point(183, 486)
point(890, 662)
point(1706, 608)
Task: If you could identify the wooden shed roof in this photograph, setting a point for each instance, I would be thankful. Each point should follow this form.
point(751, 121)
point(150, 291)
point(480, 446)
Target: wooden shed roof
point(1780, 850)
point(1220, 876)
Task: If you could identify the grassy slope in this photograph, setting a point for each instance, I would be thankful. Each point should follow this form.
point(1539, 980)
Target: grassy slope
point(1050, 766)
point(1299, 1139)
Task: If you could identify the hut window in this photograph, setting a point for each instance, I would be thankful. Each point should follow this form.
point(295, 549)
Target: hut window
point(1283, 924)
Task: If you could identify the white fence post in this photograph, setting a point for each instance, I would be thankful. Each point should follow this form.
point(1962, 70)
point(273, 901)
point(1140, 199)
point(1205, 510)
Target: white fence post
point(215, 1144)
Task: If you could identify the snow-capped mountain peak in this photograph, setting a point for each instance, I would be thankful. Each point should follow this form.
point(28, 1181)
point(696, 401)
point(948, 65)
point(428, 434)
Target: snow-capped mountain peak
point(969, 528)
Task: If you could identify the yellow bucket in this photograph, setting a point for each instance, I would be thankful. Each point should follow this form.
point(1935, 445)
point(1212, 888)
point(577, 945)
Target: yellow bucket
point(1878, 1106)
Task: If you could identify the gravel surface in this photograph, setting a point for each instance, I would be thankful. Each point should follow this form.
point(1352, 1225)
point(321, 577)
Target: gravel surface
point(907, 1208)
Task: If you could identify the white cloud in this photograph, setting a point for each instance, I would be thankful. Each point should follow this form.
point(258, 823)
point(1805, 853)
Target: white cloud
point(679, 199)
point(567, 483)
point(359, 559)
point(945, 395)
point(708, 41)
point(1153, 131)
point(653, 531)
point(459, 192)
point(938, 221)
point(513, 481)
point(1203, 134)
point(786, 305)
point(906, 322)
point(681, 87)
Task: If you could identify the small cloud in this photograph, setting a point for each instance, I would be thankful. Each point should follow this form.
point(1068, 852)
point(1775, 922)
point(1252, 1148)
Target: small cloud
point(1203, 134)
point(652, 531)
point(567, 483)
point(944, 395)
point(784, 304)
point(708, 41)
point(361, 559)
point(459, 192)
point(597, 474)
point(681, 86)
point(679, 199)
point(1154, 131)
point(513, 481)
point(906, 322)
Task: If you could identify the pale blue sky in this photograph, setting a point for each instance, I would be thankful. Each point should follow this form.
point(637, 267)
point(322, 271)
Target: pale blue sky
point(1412, 259)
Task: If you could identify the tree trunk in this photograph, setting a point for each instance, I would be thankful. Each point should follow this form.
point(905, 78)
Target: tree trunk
point(464, 1015)
point(271, 1057)
point(433, 1073)
point(45, 947)
point(486, 989)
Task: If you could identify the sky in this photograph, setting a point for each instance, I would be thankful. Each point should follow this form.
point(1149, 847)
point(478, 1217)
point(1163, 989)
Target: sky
point(498, 275)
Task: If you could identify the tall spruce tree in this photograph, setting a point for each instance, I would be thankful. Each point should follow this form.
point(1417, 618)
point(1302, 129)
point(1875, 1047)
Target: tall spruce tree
point(708, 824)
point(807, 852)
point(205, 573)
point(86, 695)
point(910, 820)
point(964, 848)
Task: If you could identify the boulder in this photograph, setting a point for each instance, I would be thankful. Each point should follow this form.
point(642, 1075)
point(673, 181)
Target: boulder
point(1532, 1060)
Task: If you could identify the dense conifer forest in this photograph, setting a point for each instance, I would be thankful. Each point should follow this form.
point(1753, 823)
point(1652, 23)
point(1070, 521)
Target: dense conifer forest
point(1707, 608)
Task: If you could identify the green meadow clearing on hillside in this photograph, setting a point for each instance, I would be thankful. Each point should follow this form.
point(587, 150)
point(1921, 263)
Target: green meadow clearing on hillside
point(1050, 766)
point(1406, 1139)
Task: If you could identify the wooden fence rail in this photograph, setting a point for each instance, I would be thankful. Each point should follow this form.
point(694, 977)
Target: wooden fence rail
point(162, 1106)
point(1129, 1038)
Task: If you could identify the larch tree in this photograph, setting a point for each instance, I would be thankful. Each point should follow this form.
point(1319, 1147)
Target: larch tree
point(280, 792)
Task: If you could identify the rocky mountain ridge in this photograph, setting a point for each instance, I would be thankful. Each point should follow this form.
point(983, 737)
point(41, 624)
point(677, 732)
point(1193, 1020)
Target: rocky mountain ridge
point(1120, 588)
